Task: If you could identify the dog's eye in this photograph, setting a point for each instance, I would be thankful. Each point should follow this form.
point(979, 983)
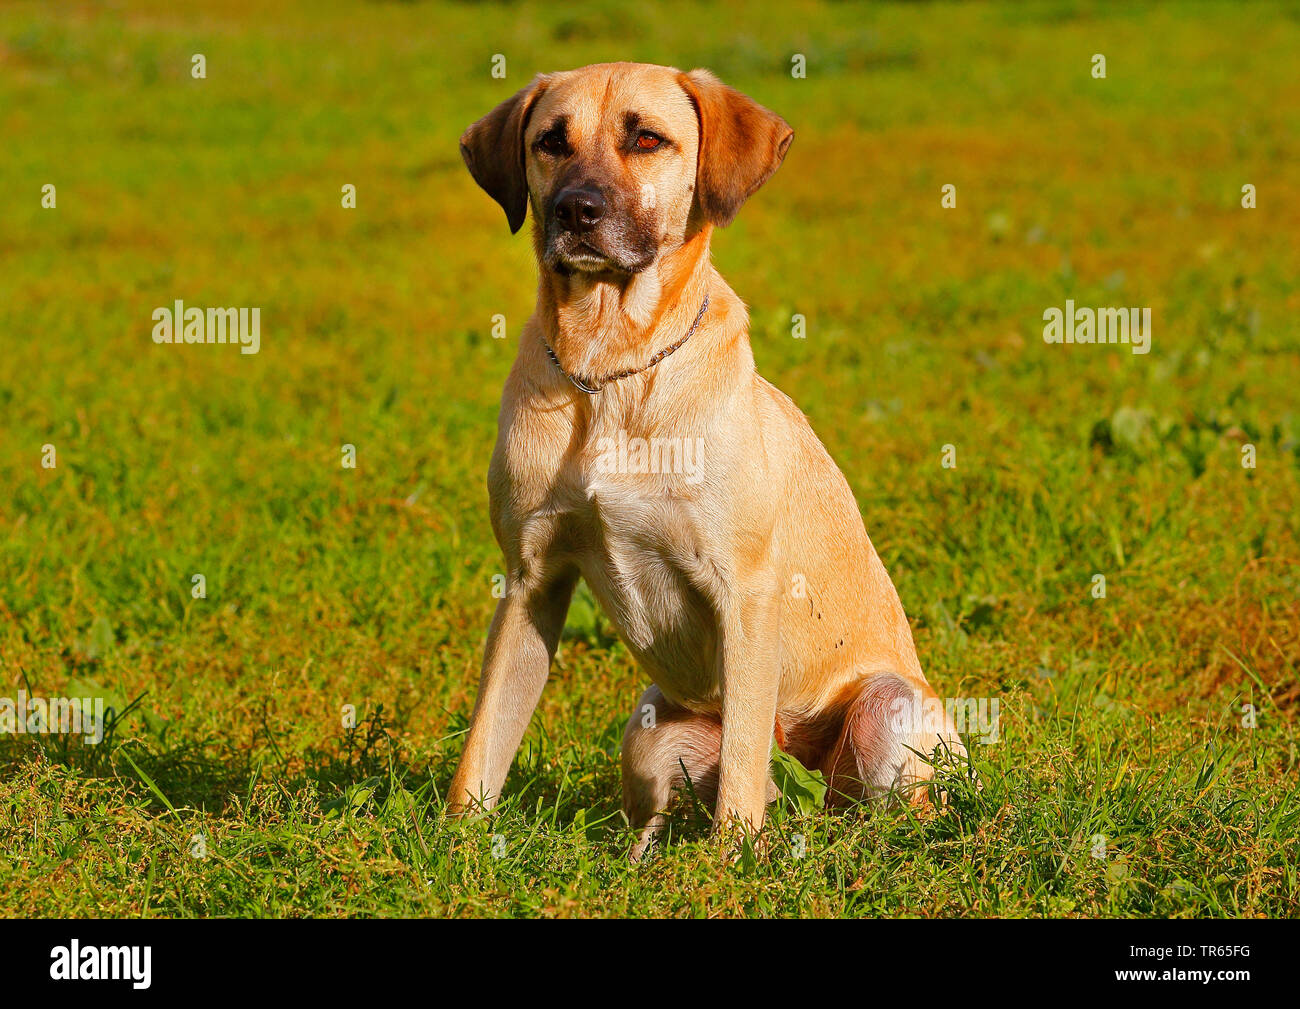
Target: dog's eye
point(552, 142)
point(647, 141)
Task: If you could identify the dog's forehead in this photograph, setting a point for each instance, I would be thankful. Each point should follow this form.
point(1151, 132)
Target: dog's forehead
point(606, 93)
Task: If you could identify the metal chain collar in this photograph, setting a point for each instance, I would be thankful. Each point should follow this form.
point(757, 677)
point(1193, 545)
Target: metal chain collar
point(584, 386)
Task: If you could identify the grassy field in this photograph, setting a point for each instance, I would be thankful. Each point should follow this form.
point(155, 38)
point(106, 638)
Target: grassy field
point(228, 784)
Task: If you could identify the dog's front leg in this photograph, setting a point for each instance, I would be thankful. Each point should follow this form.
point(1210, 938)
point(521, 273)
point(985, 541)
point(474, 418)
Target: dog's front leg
point(516, 663)
point(751, 675)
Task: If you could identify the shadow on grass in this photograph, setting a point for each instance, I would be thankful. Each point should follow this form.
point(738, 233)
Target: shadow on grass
point(206, 773)
point(364, 766)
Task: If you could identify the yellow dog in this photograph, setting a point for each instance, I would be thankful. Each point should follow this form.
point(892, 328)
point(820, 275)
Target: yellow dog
point(720, 538)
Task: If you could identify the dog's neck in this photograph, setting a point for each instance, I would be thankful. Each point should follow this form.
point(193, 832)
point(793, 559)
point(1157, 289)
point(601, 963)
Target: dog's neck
point(603, 324)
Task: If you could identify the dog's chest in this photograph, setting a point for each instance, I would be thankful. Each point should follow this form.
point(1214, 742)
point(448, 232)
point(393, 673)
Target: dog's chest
point(639, 537)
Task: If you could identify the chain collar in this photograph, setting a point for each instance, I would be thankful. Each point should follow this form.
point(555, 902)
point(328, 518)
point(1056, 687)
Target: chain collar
point(584, 386)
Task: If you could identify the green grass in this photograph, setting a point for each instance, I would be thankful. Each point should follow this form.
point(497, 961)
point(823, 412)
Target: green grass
point(1121, 717)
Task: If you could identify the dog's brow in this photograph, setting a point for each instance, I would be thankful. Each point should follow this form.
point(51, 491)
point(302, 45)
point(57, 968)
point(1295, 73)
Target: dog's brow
point(560, 122)
point(635, 121)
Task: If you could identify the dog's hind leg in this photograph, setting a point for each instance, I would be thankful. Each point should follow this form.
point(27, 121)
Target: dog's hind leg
point(889, 723)
point(663, 745)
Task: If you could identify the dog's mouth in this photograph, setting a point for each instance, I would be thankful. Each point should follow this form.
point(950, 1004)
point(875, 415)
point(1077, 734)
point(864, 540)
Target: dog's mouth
point(586, 258)
point(567, 253)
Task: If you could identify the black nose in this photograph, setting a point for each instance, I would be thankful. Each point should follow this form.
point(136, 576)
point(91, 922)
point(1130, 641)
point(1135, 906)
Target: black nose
point(579, 210)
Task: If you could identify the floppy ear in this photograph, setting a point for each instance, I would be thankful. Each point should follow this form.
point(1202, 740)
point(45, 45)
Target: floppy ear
point(493, 149)
point(741, 145)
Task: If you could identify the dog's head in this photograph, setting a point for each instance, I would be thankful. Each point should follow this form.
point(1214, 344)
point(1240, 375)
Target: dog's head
point(623, 161)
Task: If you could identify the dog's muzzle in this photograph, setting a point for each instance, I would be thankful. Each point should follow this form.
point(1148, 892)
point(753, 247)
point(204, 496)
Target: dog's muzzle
point(586, 234)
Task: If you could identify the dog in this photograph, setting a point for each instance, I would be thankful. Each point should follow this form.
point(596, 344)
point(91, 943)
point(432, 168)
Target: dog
point(747, 590)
